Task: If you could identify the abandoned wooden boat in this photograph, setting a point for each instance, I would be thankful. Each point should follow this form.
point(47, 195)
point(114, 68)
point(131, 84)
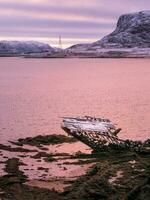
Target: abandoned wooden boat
point(94, 132)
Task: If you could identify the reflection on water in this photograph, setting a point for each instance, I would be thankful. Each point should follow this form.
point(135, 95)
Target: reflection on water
point(35, 93)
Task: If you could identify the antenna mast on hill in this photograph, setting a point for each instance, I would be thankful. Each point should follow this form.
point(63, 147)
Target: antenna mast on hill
point(60, 42)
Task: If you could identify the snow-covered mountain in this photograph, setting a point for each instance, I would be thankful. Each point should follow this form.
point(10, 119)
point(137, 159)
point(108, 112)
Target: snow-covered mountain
point(79, 47)
point(132, 31)
point(20, 47)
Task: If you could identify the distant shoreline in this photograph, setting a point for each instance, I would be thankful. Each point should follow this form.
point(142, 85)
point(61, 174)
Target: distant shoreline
point(101, 53)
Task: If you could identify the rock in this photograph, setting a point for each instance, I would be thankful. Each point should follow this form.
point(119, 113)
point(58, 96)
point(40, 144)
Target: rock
point(47, 157)
point(12, 185)
point(40, 155)
point(14, 175)
point(44, 140)
point(12, 166)
point(15, 149)
point(44, 148)
point(95, 184)
point(42, 168)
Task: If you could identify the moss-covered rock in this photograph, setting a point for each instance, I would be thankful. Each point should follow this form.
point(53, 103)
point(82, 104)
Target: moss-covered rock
point(44, 140)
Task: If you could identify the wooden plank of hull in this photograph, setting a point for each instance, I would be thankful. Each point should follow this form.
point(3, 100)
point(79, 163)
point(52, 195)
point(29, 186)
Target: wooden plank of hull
point(83, 138)
point(93, 139)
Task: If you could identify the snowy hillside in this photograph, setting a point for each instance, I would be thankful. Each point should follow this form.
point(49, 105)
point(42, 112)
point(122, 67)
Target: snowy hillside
point(132, 31)
point(19, 47)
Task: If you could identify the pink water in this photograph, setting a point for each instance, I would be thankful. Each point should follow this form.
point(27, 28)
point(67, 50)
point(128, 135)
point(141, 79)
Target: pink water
point(35, 93)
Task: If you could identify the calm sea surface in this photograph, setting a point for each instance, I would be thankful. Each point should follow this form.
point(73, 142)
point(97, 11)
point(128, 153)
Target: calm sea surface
point(35, 93)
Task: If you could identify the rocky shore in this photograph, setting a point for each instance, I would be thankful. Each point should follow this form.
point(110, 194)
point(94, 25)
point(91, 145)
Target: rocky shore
point(111, 173)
